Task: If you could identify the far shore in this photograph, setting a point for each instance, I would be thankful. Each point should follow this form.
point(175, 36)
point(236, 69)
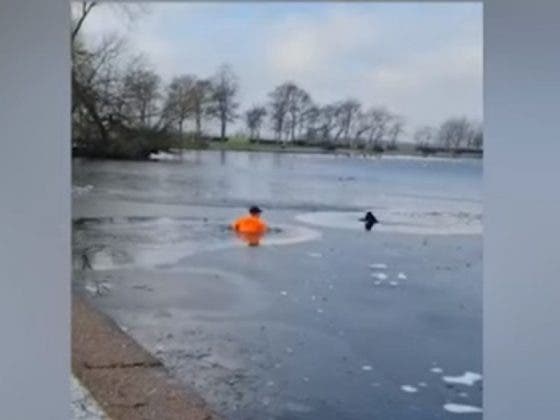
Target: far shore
point(235, 145)
point(401, 150)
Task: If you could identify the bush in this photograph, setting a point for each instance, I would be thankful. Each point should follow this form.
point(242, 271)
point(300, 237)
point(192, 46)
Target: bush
point(127, 144)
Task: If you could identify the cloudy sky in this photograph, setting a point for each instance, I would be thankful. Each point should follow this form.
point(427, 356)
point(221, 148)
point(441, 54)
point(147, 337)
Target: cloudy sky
point(423, 61)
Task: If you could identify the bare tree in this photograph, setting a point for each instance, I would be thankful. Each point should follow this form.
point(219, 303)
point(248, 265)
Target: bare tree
point(97, 106)
point(394, 131)
point(477, 139)
point(346, 115)
point(224, 87)
point(95, 85)
point(327, 121)
point(377, 120)
point(363, 126)
point(80, 11)
point(187, 97)
point(288, 105)
point(178, 106)
point(454, 133)
point(474, 136)
point(310, 123)
point(278, 109)
point(200, 96)
point(299, 104)
point(424, 136)
point(254, 118)
point(140, 92)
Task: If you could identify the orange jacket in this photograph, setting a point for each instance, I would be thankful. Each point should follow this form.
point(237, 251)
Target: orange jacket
point(250, 224)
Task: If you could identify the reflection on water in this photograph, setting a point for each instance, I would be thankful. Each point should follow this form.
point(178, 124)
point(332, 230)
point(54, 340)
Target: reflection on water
point(286, 181)
point(251, 239)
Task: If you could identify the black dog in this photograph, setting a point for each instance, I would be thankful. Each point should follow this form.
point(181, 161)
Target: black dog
point(369, 219)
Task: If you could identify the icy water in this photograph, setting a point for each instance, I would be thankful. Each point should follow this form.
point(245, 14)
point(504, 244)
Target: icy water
point(324, 320)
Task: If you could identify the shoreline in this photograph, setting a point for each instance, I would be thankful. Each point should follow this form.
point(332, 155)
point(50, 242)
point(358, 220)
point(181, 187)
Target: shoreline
point(339, 152)
point(175, 154)
point(403, 152)
point(123, 378)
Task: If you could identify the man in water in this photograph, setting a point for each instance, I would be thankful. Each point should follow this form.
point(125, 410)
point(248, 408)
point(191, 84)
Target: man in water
point(250, 228)
point(369, 220)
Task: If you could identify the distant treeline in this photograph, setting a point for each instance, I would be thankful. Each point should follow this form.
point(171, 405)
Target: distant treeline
point(121, 109)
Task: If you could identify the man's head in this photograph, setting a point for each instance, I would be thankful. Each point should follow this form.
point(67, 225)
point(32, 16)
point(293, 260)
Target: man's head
point(255, 211)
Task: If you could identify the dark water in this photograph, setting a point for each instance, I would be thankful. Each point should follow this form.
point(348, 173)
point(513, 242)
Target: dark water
point(301, 327)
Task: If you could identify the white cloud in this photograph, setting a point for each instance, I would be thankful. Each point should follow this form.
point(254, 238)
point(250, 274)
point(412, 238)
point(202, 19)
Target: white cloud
point(102, 20)
point(301, 46)
point(433, 85)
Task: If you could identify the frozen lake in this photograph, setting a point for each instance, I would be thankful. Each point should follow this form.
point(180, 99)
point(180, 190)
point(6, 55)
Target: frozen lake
point(325, 320)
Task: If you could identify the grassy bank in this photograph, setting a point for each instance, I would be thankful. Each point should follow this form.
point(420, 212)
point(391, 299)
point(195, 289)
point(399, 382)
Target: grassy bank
point(243, 144)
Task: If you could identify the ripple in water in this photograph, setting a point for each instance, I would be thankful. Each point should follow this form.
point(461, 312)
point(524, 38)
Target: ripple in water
point(110, 243)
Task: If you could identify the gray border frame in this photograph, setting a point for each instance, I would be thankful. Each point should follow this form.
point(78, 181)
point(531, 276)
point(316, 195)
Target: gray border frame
point(521, 207)
point(521, 287)
point(35, 209)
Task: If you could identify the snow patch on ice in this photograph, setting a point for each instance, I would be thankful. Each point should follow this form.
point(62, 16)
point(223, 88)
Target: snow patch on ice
point(468, 378)
point(461, 408)
point(379, 266)
point(164, 156)
point(80, 190)
point(409, 388)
